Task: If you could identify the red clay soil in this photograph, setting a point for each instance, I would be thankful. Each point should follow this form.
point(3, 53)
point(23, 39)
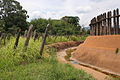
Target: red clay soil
point(100, 51)
point(64, 45)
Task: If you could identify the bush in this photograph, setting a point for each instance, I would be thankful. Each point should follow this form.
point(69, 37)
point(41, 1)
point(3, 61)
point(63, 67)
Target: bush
point(68, 54)
point(117, 50)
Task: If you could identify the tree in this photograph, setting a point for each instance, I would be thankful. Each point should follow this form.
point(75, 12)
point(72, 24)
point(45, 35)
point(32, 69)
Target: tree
point(58, 27)
point(13, 15)
point(39, 24)
point(71, 20)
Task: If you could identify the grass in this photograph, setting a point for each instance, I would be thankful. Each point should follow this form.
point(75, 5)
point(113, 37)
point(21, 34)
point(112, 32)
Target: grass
point(117, 50)
point(68, 54)
point(15, 67)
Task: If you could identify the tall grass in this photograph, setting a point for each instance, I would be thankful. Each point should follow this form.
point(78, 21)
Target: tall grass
point(26, 65)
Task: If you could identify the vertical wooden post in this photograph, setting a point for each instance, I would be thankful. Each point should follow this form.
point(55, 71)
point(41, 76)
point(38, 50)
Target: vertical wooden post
point(17, 39)
point(25, 33)
point(28, 36)
point(97, 26)
point(4, 38)
point(110, 22)
point(92, 27)
point(34, 35)
point(117, 13)
point(114, 21)
point(44, 39)
point(100, 17)
point(104, 24)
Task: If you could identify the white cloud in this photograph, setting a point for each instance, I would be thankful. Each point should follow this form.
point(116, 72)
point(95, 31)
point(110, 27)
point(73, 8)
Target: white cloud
point(85, 9)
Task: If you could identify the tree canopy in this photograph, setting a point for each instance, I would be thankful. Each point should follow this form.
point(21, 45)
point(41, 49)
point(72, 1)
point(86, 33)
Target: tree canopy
point(71, 19)
point(12, 15)
point(58, 27)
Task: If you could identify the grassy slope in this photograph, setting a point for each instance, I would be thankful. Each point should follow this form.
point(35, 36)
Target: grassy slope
point(30, 67)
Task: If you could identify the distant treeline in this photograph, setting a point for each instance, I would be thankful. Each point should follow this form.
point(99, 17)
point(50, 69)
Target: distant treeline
point(70, 26)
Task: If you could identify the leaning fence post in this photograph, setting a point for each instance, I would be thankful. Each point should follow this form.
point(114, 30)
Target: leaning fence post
point(28, 36)
point(4, 37)
point(17, 39)
point(44, 39)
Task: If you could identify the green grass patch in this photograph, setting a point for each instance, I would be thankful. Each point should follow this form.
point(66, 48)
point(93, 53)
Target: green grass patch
point(14, 67)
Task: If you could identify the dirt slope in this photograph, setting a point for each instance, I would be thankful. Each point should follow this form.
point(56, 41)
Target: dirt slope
point(100, 51)
point(97, 75)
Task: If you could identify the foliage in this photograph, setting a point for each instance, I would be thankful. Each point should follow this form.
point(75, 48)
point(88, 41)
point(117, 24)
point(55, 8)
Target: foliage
point(31, 68)
point(12, 15)
point(58, 27)
point(117, 50)
point(68, 54)
point(71, 20)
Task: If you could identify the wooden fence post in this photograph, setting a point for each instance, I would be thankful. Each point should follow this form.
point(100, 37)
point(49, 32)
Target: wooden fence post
point(97, 26)
point(109, 29)
point(117, 13)
point(91, 27)
point(114, 21)
point(110, 22)
point(28, 36)
point(44, 39)
point(100, 24)
point(4, 38)
point(25, 33)
point(104, 24)
point(17, 39)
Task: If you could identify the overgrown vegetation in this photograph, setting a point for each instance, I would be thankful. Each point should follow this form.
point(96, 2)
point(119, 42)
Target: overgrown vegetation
point(30, 67)
point(68, 54)
point(117, 50)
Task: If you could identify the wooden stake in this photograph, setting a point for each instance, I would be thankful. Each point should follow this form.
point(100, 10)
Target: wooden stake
point(28, 36)
point(44, 39)
point(17, 39)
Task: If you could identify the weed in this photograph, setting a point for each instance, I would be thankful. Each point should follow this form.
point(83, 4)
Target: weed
point(117, 50)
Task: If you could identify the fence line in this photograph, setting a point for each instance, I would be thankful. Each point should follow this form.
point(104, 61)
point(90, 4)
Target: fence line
point(105, 24)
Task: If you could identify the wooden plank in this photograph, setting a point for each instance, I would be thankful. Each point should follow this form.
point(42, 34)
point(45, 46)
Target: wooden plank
point(110, 23)
point(114, 22)
point(101, 28)
point(95, 25)
point(104, 24)
point(108, 18)
point(91, 27)
point(98, 18)
point(117, 13)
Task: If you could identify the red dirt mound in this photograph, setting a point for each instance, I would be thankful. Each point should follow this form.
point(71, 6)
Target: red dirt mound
point(100, 51)
point(63, 45)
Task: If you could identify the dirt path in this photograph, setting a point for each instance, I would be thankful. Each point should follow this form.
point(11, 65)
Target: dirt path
point(97, 75)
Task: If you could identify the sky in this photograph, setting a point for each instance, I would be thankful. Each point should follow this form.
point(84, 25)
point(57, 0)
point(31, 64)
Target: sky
point(56, 9)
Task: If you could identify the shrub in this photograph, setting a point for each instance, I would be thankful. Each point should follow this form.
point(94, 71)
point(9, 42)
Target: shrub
point(117, 50)
point(68, 54)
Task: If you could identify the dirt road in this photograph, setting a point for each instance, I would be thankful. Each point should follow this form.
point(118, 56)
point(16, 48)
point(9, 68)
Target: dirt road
point(97, 75)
